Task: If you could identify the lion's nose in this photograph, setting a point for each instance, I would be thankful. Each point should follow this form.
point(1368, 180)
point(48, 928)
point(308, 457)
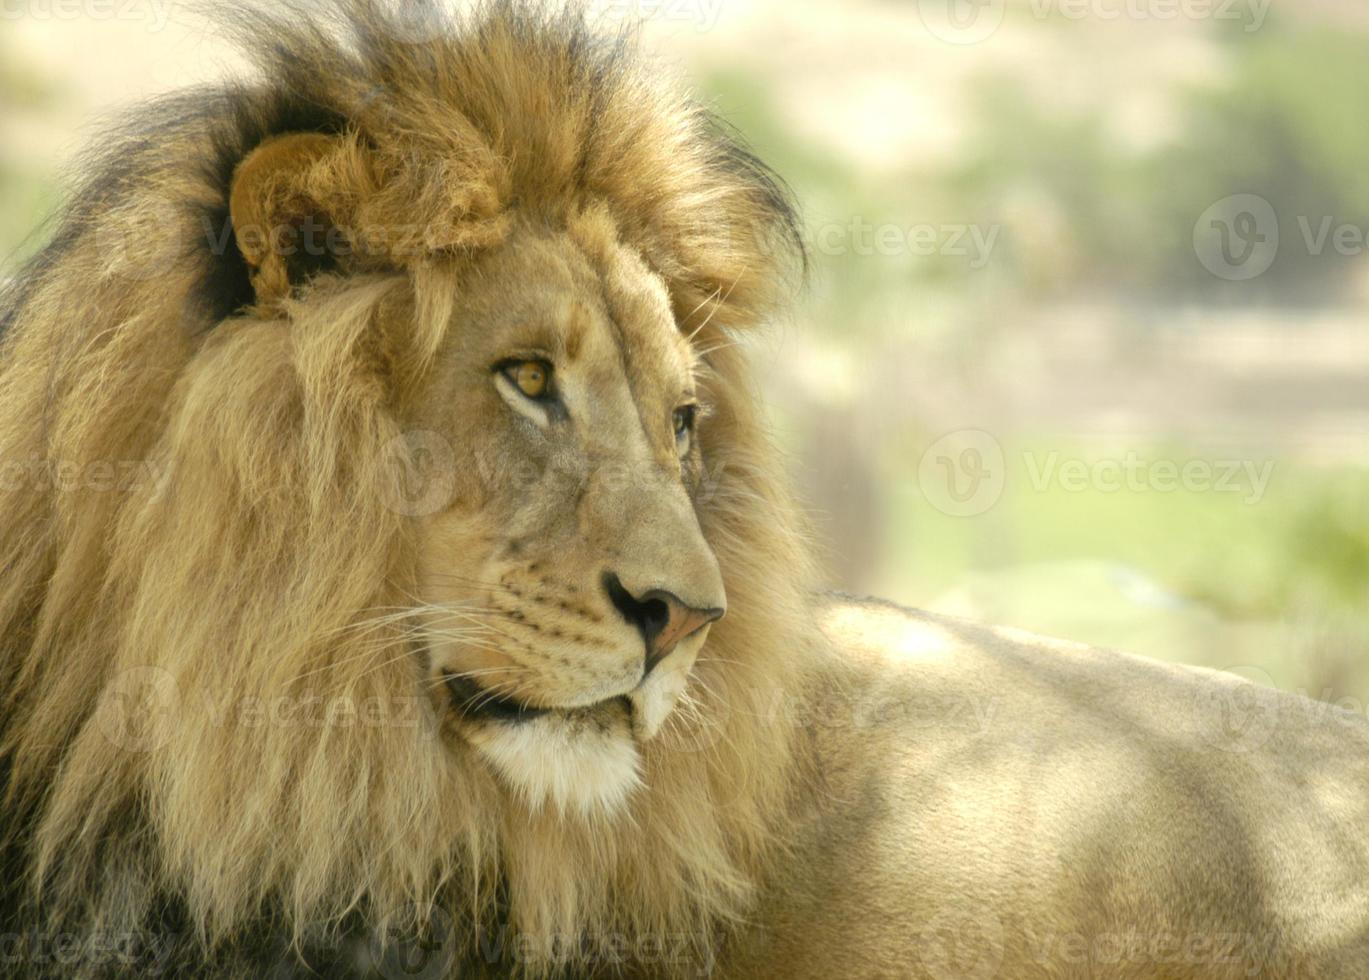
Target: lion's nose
point(663, 618)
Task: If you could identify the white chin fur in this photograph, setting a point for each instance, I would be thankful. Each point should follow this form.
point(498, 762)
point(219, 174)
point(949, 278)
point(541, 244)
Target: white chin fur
point(577, 762)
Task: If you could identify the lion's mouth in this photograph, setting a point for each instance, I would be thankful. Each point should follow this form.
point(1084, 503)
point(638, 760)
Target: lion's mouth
point(470, 700)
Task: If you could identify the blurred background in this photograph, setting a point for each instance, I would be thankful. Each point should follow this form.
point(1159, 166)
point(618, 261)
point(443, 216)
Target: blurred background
point(1085, 349)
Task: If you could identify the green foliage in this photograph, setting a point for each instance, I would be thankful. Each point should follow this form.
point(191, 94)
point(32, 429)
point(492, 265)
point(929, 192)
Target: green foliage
point(1170, 573)
point(27, 195)
point(1286, 123)
point(1288, 126)
point(28, 199)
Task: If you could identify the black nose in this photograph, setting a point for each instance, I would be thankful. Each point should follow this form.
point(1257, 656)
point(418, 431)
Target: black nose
point(661, 616)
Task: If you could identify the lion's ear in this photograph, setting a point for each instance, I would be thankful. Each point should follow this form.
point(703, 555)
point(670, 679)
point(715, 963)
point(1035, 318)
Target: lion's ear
point(284, 202)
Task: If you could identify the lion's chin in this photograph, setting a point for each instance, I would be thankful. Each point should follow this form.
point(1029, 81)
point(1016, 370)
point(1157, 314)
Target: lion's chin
point(583, 761)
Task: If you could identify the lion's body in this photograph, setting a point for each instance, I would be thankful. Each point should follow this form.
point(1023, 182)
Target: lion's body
point(262, 703)
point(986, 803)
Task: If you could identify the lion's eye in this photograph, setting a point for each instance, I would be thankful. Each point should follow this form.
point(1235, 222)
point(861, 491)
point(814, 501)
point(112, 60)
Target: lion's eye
point(684, 421)
point(532, 378)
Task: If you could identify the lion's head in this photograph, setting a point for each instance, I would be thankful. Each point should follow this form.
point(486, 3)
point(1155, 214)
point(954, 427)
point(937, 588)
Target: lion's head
point(442, 561)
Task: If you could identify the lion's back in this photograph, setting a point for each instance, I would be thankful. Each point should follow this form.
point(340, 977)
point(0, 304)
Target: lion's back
point(1061, 808)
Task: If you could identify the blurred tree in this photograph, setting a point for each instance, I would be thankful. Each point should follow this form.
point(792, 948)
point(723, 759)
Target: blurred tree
point(1288, 126)
point(27, 192)
point(1285, 123)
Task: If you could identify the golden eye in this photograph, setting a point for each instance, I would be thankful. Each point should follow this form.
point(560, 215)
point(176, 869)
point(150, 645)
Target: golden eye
point(533, 378)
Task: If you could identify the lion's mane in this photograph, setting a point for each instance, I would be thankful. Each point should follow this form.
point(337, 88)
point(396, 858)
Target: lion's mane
point(191, 523)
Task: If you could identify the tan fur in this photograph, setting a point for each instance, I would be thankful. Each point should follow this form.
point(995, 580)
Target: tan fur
point(266, 563)
point(991, 803)
point(227, 716)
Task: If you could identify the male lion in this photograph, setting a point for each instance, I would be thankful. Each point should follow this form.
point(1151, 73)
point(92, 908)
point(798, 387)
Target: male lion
point(398, 582)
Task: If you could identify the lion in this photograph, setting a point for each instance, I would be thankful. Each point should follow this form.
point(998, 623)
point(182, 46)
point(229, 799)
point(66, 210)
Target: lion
point(400, 581)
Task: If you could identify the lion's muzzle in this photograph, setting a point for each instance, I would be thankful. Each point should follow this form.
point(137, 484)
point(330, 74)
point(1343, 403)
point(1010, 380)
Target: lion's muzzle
point(663, 618)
